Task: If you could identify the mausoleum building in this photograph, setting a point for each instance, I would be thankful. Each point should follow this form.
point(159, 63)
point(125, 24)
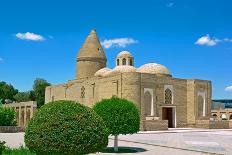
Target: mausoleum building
point(163, 100)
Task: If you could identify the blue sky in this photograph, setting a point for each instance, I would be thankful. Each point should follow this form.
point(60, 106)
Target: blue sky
point(193, 38)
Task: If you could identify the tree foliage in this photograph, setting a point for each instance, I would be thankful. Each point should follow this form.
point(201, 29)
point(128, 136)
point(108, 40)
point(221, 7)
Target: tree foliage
point(120, 115)
point(7, 91)
point(66, 127)
point(7, 116)
point(39, 91)
point(22, 97)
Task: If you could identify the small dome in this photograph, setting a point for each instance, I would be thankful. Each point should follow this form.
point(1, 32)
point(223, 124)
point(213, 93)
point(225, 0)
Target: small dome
point(102, 72)
point(121, 69)
point(124, 54)
point(153, 68)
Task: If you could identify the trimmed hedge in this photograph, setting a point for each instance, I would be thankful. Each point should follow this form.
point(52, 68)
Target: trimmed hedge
point(66, 127)
point(120, 115)
point(7, 116)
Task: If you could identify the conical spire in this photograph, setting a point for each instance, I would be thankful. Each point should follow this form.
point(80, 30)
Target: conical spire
point(91, 48)
point(91, 57)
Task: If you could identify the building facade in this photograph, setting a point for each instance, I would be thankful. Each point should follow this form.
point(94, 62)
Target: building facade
point(221, 110)
point(164, 101)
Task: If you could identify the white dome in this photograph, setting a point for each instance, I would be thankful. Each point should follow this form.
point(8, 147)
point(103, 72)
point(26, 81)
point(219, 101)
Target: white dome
point(124, 54)
point(153, 68)
point(121, 69)
point(102, 72)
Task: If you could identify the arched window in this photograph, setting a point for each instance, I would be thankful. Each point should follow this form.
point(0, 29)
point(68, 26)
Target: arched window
point(117, 62)
point(124, 61)
point(215, 115)
point(147, 103)
point(168, 96)
point(200, 105)
point(231, 116)
point(223, 116)
point(131, 62)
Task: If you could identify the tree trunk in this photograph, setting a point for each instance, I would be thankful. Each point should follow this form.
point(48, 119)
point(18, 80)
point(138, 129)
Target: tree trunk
point(115, 143)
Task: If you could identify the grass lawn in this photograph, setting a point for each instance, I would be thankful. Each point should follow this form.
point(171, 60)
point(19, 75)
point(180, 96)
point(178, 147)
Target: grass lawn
point(19, 151)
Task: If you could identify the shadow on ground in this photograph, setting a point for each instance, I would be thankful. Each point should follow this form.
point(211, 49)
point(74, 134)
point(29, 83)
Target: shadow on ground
point(124, 150)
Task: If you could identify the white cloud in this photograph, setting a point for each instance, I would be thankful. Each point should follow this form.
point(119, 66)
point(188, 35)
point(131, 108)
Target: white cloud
point(118, 42)
point(206, 40)
point(30, 36)
point(169, 5)
point(229, 88)
point(227, 40)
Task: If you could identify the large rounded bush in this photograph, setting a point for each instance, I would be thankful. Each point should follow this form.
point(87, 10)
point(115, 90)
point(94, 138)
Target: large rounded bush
point(120, 115)
point(66, 127)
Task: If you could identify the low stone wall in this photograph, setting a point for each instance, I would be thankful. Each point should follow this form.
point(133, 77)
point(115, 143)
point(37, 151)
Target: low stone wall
point(152, 125)
point(202, 124)
point(219, 124)
point(11, 129)
point(212, 124)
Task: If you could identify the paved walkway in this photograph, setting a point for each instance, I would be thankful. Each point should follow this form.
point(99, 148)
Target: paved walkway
point(205, 141)
point(174, 141)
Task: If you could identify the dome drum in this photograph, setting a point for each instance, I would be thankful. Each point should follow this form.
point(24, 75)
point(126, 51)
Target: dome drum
point(124, 58)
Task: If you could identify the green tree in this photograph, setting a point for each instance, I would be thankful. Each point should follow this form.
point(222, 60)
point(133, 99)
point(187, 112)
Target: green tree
point(7, 91)
point(39, 91)
point(22, 97)
point(66, 128)
point(120, 115)
point(25, 96)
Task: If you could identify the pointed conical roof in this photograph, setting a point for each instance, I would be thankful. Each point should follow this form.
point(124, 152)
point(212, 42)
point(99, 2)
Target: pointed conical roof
point(91, 48)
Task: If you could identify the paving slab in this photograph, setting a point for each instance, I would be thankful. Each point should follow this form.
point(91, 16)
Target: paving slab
point(162, 143)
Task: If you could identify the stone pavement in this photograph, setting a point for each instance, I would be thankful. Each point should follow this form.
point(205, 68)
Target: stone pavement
point(174, 141)
point(195, 140)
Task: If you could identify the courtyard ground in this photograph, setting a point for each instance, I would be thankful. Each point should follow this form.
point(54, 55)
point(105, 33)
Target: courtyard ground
point(173, 141)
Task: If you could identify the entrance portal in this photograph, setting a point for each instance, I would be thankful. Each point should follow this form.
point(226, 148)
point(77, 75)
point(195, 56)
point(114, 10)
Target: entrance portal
point(168, 113)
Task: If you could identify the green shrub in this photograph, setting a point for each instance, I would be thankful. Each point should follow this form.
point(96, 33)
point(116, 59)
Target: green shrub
point(66, 127)
point(7, 116)
point(120, 115)
point(2, 146)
